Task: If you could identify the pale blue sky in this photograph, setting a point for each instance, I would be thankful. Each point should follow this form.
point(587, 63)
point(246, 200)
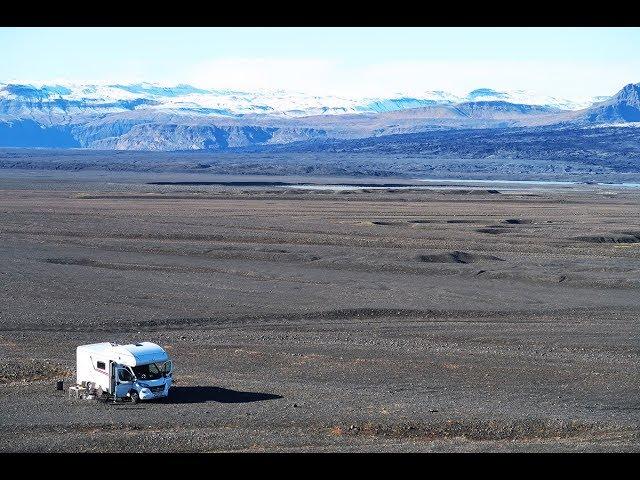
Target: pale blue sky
point(552, 61)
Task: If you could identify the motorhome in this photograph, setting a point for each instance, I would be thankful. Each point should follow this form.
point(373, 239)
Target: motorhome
point(138, 371)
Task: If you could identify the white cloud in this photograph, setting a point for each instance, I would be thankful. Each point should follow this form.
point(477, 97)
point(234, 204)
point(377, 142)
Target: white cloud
point(307, 75)
point(571, 80)
point(321, 76)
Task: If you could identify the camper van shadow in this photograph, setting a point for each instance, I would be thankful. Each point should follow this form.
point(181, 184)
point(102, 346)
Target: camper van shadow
point(215, 394)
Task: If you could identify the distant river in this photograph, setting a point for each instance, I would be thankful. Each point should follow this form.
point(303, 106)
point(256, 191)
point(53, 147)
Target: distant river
point(467, 184)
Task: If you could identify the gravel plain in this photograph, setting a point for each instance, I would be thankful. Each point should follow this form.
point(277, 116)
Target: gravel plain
point(299, 320)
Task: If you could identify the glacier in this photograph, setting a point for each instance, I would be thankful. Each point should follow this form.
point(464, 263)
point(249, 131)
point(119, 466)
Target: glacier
point(61, 99)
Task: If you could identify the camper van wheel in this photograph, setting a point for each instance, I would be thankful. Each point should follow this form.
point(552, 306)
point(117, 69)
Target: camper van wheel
point(134, 397)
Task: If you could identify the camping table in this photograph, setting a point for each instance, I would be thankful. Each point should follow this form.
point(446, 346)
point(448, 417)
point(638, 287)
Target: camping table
point(77, 390)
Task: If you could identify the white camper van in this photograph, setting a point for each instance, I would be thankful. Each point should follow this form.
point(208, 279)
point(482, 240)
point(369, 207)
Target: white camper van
point(140, 371)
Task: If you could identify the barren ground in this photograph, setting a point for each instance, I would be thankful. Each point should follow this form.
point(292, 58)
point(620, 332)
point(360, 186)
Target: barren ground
point(376, 320)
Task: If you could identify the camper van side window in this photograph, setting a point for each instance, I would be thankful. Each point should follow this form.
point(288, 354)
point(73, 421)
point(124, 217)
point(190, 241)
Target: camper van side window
point(101, 365)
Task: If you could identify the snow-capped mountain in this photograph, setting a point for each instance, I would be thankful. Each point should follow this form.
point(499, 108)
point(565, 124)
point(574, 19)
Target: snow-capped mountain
point(623, 107)
point(64, 100)
point(524, 97)
point(154, 117)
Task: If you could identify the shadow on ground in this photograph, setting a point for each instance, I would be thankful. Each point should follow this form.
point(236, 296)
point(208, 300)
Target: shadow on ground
point(216, 394)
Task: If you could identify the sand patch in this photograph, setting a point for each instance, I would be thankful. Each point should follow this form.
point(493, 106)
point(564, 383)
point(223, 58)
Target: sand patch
point(30, 370)
point(523, 430)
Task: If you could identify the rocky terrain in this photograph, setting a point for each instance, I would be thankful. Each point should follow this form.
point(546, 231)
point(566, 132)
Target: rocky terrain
point(604, 144)
point(152, 118)
point(468, 319)
point(599, 156)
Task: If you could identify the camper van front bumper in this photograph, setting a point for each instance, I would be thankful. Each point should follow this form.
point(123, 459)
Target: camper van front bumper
point(148, 393)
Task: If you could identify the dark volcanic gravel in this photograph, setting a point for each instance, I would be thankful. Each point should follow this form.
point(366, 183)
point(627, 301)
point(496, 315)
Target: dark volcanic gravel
point(318, 321)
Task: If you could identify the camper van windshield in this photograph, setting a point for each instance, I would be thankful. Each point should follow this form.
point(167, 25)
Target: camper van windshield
point(152, 371)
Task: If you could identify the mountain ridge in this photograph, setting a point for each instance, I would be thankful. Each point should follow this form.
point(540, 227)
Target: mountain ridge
point(273, 102)
point(118, 117)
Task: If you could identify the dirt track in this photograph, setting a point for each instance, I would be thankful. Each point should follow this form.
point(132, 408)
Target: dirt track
point(299, 320)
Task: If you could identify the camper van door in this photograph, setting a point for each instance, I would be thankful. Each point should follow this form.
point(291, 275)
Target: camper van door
point(112, 377)
point(124, 381)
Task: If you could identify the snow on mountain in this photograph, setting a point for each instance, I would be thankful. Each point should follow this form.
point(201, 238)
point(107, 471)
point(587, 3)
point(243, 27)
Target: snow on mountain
point(623, 107)
point(148, 116)
point(524, 97)
point(16, 99)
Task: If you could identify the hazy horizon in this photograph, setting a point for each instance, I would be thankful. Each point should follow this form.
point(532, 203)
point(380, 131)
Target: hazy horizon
point(357, 62)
